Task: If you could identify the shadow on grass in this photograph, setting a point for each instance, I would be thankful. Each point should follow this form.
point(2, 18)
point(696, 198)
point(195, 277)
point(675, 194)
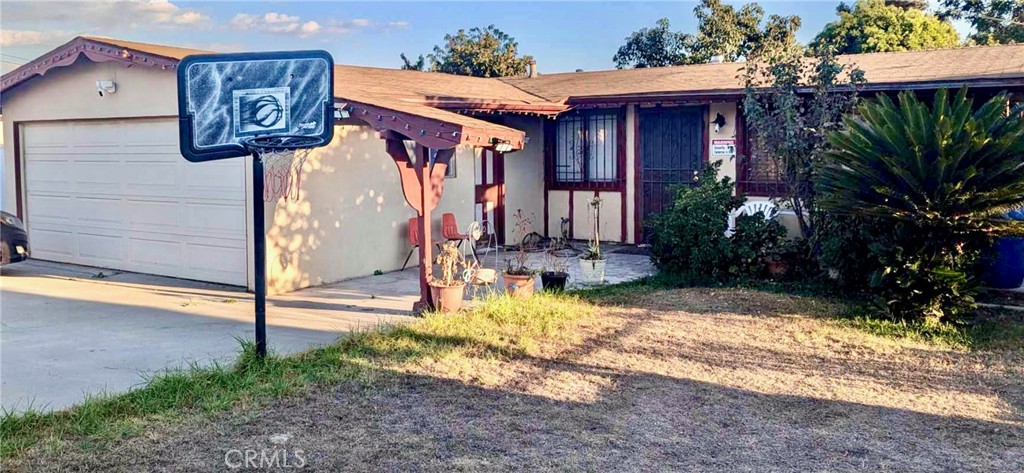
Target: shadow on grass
point(498, 327)
point(638, 422)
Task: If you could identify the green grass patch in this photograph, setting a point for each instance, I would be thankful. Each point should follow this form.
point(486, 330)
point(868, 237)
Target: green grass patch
point(494, 327)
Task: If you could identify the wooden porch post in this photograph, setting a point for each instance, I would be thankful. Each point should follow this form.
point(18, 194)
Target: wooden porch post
point(426, 237)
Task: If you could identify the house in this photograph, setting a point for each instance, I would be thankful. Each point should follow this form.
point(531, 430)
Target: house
point(99, 181)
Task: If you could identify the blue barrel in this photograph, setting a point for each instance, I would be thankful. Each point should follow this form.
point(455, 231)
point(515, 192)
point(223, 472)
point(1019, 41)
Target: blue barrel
point(1004, 265)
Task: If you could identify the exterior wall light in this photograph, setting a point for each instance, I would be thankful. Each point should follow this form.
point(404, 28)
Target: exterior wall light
point(719, 122)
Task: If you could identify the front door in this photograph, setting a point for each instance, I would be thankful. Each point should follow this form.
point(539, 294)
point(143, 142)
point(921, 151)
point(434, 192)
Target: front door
point(490, 192)
point(671, 154)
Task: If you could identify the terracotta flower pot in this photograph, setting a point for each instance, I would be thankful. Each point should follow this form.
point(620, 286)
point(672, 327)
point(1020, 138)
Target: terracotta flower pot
point(447, 298)
point(777, 268)
point(518, 285)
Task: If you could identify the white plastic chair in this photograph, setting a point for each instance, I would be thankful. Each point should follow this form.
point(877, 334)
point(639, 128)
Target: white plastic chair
point(768, 209)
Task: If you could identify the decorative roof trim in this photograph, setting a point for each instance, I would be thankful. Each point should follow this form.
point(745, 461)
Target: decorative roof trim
point(96, 51)
point(430, 132)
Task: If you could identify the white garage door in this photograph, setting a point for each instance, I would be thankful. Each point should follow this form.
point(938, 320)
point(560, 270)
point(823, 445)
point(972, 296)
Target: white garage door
point(117, 194)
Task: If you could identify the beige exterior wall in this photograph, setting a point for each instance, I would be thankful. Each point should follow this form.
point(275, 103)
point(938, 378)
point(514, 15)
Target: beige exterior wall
point(70, 93)
point(728, 131)
point(524, 177)
point(351, 217)
point(582, 217)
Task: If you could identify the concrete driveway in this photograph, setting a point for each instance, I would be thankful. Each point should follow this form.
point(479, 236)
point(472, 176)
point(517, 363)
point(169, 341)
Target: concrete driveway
point(68, 331)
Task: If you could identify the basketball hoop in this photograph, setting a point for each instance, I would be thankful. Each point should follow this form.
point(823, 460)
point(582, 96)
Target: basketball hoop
point(283, 157)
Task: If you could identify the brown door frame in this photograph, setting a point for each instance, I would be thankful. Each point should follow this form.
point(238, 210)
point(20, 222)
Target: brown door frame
point(492, 189)
point(638, 207)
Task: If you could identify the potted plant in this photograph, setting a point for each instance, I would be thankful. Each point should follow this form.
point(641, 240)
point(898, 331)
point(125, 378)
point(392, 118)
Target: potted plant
point(592, 261)
point(519, 279)
point(557, 273)
point(448, 291)
point(777, 265)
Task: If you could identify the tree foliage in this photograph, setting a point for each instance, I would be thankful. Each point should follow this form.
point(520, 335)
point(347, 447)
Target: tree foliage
point(722, 31)
point(875, 26)
point(790, 103)
point(480, 52)
point(942, 176)
point(994, 21)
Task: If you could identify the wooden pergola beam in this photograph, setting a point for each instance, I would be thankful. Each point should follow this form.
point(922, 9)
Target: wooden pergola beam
point(431, 132)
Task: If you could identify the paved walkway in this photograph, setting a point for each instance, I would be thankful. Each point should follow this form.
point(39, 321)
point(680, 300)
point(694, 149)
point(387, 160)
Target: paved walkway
point(66, 332)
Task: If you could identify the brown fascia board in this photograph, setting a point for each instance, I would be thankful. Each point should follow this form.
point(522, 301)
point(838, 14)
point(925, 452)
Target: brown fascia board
point(730, 94)
point(97, 51)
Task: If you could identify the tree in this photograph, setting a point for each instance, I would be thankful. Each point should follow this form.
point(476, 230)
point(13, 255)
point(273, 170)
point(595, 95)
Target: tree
point(994, 21)
point(943, 176)
point(653, 47)
point(790, 103)
point(722, 31)
point(486, 52)
point(419, 65)
point(873, 26)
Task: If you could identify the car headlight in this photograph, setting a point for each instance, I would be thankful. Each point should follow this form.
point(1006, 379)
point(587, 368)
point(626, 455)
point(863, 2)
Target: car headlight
point(11, 220)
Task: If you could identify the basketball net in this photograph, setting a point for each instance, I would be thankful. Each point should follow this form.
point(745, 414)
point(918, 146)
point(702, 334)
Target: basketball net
point(282, 172)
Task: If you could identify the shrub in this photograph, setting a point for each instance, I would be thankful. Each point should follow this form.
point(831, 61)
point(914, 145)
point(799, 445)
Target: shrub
point(688, 239)
point(843, 244)
point(940, 176)
point(755, 242)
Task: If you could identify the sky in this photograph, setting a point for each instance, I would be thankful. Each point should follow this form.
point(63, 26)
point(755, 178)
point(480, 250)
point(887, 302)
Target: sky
point(562, 36)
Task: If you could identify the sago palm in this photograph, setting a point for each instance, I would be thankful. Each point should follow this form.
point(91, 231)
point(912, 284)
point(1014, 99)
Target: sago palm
point(943, 175)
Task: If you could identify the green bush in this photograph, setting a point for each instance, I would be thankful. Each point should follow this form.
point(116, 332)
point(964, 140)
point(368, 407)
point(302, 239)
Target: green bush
point(688, 239)
point(844, 248)
point(755, 242)
point(938, 178)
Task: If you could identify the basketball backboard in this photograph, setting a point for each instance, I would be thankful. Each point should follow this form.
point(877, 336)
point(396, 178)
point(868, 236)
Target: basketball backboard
point(225, 99)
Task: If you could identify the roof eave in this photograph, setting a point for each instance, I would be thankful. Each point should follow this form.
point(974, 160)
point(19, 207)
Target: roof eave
point(68, 53)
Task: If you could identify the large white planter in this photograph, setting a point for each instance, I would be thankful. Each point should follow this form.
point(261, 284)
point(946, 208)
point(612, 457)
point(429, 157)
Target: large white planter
point(592, 270)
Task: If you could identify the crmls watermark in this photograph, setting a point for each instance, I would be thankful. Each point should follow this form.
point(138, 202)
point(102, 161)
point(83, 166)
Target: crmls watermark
point(266, 458)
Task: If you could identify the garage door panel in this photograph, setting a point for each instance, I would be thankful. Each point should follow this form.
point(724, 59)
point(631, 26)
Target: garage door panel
point(154, 253)
point(98, 177)
point(98, 210)
point(153, 179)
point(154, 216)
point(50, 208)
point(222, 220)
point(46, 135)
point(96, 134)
point(216, 259)
point(50, 243)
point(216, 181)
point(118, 194)
point(107, 248)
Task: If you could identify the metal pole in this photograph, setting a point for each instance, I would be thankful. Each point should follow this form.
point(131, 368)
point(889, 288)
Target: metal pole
point(259, 253)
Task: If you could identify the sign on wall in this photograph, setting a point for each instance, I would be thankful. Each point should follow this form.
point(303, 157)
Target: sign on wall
point(723, 147)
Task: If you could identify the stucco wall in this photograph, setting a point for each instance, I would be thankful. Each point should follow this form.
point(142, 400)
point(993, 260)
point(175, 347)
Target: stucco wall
point(524, 176)
point(728, 131)
point(351, 217)
point(70, 93)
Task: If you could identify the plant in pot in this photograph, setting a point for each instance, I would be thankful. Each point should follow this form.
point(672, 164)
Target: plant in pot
point(519, 278)
point(556, 274)
point(592, 261)
point(447, 291)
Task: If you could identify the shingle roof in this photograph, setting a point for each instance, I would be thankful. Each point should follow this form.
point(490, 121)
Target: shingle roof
point(941, 65)
point(549, 92)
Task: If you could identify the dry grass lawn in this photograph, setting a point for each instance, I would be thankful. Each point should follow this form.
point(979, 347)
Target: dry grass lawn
point(682, 380)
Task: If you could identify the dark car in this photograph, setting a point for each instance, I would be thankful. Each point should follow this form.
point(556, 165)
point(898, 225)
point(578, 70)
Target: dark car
point(13, 239)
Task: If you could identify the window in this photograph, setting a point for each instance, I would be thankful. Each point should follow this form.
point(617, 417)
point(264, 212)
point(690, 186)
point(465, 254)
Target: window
point(758, 174)
point(586, 149)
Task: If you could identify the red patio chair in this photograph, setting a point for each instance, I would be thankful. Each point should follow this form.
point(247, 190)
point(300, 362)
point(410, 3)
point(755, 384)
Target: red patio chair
point(413, 237)
point(450, 231)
